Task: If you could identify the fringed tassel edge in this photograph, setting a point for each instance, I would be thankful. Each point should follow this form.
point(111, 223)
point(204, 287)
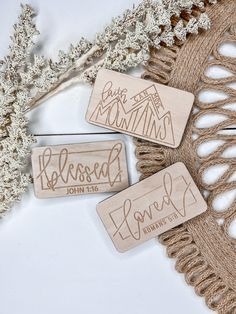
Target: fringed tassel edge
point(151, 158)
point(160, 64)
point(198, 272)
point(179, 242)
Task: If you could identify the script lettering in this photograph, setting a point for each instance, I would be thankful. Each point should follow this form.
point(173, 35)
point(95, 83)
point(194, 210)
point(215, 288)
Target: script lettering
point(66, 171)
point(134, 218)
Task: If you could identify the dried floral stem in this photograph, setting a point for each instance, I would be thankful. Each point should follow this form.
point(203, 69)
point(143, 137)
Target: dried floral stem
point(65, 84)
point(127, 41)
point(62, 79)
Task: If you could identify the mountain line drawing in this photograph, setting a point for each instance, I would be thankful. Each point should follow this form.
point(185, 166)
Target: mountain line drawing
point(143, 114)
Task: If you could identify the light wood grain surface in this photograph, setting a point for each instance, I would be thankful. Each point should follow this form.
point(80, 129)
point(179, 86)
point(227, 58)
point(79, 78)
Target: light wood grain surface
point(77, 169)
point(151, 207)
point(139, 108)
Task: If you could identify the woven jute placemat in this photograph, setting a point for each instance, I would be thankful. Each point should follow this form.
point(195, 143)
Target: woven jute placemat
point(202, 247)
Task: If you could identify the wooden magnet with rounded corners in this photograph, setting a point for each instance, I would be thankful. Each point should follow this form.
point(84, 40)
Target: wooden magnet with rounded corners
point(85, 168)
point(151, 207)
point(140, 108)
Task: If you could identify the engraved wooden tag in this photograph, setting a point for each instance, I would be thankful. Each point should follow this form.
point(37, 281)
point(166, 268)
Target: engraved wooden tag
point(74, 169)
point(151, 207)
point(140, 108)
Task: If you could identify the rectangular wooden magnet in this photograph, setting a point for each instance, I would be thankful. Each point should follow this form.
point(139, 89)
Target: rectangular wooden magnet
point(74, 169)
point(151, 207)
point(140, 108)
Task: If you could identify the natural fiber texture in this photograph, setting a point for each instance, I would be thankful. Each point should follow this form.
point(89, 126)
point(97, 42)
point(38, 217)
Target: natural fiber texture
point(202, 247)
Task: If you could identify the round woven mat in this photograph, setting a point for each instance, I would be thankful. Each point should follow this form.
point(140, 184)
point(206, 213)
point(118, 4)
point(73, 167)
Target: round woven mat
point(202, 247)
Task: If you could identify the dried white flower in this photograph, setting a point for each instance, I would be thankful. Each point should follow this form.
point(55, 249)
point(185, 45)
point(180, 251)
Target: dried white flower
point(123, 44)
point(15, 141)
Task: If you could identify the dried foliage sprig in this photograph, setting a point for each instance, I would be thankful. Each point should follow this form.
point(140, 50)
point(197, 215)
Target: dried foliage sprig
point(125, 43)
point(15, 140)
point(27, 79)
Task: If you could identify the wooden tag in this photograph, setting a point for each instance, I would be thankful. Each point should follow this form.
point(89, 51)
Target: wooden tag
point(85, 168)
point(140, 108)
point(151, 207)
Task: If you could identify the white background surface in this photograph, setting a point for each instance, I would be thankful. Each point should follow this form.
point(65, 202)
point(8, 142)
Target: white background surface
point(55, 255)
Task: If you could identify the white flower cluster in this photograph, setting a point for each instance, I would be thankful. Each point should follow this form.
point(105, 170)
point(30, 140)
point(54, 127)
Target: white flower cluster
point(124, 44)
point(127, 41)
point(15, 141)
point(27, 79)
